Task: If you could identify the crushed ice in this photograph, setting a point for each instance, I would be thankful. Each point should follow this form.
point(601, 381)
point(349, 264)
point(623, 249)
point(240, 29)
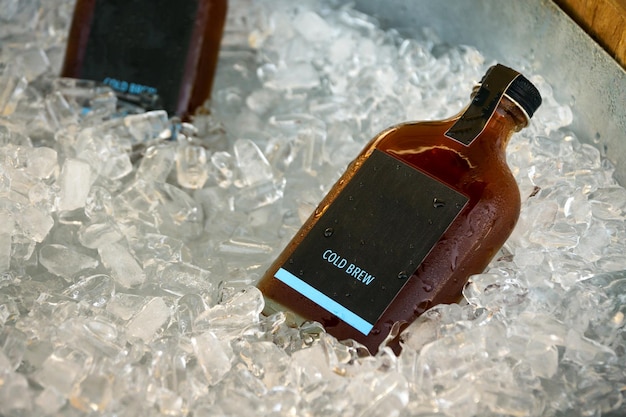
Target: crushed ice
point(128, 259)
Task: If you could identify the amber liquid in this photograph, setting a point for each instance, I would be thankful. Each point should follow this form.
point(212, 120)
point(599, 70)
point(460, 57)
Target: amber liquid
point(479, 171)
point(200, 60)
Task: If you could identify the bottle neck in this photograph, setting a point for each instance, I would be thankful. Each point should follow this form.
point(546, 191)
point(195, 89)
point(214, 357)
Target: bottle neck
point(490, 114)
point(507, 119)
point(515, 113)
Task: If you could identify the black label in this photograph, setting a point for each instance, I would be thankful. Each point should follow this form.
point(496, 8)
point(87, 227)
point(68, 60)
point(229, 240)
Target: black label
point(140, 47)
point(484, 103)
point(371, 239)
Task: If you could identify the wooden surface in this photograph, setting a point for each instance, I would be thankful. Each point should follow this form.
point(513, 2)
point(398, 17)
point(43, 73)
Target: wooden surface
point(604, 20)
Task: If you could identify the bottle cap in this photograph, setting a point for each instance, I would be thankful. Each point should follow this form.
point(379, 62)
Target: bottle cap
point(497, 82)
point(520, 89)
point(525, 94)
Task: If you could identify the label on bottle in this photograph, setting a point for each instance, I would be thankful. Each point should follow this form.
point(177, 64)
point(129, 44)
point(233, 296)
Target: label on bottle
point(140, 47)
point(483, 105)
point(371, 239)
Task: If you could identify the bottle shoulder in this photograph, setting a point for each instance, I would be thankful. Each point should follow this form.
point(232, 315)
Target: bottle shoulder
point(472, 170)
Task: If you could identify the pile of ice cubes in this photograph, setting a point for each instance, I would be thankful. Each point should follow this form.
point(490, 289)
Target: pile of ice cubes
point(130, 243)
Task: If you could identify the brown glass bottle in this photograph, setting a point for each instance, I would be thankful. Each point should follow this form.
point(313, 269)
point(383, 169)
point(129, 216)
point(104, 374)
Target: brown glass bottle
point(148, 48)
point(396, 189)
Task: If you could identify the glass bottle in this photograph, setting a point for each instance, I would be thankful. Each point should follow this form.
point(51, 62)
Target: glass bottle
point(148, 50)
point(422, 207)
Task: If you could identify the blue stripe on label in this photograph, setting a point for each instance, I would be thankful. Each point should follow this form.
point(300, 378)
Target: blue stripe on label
point(323, 301)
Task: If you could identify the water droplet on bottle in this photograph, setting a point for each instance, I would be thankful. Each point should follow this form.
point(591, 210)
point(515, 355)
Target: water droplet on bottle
point(437, 203)
point(329, 232)
point(422, 307)
point(402, 275)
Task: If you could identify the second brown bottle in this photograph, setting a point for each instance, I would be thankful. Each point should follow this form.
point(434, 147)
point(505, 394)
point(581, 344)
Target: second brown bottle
point(159, 48)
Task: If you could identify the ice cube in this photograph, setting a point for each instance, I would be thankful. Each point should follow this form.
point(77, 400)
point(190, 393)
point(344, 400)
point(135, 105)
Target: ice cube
point(170, 403)
point(12, 87)
point(15, 396)
point(213, 357)
point(94, 289)
point(178, 214)
point(242, 309)
point(97, 235)
point(74, 182)
point(35, 222)
point(191, 166)
point(99, 206)
point(6, 231)
point(252, 163)
point(107, 152)
point(149, 320)
point(264, 360)
point(9, 9)
point(583, 351)
point(93, 394)
point(259, 195)
point(12, 347)
point(124, 305)
point(50, 400)
point(41, 162)
point(125, 269)
point(148, 126)
point(5, 181)
point(157, 162)
point(64, 261)
point(299, 76)
point(62, 369)
point(224, 169)
point(312, 27)
point(183, 278)
point(60, 111)
point(189, 306)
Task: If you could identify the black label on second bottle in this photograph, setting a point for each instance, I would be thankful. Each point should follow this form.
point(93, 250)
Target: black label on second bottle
point(140, 47)
point(370, 240)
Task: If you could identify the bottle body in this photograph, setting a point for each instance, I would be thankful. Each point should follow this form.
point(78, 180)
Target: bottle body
point(445, 223)
point(148, 48)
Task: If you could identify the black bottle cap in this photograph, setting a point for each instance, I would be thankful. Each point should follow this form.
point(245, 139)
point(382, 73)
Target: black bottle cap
point(497, 82)
point(520, 90)
point(524, 93)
